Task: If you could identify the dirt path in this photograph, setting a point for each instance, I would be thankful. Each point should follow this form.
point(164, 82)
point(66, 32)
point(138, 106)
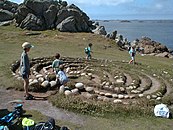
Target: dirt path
point(156, 84)
point(168, 87)
point(128, 80)
point(154, 87)
point(143, 83)
point(111, 79)
point(43, 106)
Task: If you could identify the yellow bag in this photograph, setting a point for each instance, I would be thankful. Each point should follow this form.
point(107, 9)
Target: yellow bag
point(27, 122)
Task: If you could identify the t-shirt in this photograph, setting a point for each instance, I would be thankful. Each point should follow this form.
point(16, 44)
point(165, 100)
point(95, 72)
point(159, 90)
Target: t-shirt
point(24, 64)
point(56, 63)
point(62, 77)
point(132, 52)
point(88, 50)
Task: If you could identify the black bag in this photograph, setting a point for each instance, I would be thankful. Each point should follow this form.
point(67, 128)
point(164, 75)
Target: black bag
point(133, 54)
point(64, 128)
point(49, 125)
point(29, 128)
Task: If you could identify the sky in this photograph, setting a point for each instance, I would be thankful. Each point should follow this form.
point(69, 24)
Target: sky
point(124, 9)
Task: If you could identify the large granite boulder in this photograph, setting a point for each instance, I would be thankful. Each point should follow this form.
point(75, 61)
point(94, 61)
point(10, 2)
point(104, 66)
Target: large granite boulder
point(32, 22)
point(21, 14)
point(6, 15)
point(7, 10)
point(67, 25)
point(50, 14)
point(112, 35)
point(38, 7)
point(100, 30)
point(7, 5)
point(73, 19)
point(150, 46)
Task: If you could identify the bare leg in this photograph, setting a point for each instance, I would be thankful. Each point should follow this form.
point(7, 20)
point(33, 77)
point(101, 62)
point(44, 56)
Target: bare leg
point(26, 84)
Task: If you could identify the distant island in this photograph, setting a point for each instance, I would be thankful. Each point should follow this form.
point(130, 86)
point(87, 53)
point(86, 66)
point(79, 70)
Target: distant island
point(125, 21)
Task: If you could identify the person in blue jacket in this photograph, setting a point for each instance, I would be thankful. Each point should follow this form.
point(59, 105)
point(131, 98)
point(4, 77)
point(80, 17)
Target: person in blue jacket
point(25, 68)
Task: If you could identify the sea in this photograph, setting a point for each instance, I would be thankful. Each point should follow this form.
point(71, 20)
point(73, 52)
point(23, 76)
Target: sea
point(158, 30)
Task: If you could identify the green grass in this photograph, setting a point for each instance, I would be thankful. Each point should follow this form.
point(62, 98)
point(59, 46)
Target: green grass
point(72, 45)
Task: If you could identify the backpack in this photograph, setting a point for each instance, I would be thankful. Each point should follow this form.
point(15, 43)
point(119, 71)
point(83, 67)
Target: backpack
point(49, 125)
point(28, 124)
point(4, 128)
point(86, 50)
point(129, 48)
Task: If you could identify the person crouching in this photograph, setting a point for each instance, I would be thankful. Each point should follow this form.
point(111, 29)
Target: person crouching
point(61, 76)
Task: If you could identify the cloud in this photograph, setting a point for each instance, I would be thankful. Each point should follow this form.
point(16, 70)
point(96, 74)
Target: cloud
point(158, 6)
point(100, 2)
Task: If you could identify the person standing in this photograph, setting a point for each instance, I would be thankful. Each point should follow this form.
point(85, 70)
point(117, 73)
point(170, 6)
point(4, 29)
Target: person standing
point(25, 68)
point(132, 53)
point(88, 51)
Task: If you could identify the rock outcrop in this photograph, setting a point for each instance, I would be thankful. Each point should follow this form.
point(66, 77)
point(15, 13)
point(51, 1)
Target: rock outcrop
point(50, 14)
point(7, 10)
point(151, 46)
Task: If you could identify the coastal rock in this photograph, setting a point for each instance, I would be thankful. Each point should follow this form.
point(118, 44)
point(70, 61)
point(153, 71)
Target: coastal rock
point(100, 30)
point(151, 46)
point(112, 35)
point(164, 54)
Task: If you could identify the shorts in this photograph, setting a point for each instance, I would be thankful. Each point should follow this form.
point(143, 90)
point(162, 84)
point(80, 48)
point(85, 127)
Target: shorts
point(25, 76)
point(132, 57)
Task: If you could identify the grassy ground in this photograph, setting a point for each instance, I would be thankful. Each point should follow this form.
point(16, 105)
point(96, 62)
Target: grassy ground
point(73, 44)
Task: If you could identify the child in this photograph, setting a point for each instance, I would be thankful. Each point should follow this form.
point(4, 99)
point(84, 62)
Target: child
point(25, 68)
point(88, 51)
point(63, 79)
point(56, 63)
point(132, 53)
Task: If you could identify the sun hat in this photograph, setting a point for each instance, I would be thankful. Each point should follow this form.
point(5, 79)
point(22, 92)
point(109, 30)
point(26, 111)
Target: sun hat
point(27, 45)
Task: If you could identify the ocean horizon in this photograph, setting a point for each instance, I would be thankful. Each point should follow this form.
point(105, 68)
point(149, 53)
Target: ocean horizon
point(158, 30)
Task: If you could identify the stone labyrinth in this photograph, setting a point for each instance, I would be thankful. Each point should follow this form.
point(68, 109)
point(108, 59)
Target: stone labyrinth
point(102, 80)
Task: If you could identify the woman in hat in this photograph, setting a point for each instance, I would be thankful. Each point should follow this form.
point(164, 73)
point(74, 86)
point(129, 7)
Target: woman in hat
point(25, 68)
